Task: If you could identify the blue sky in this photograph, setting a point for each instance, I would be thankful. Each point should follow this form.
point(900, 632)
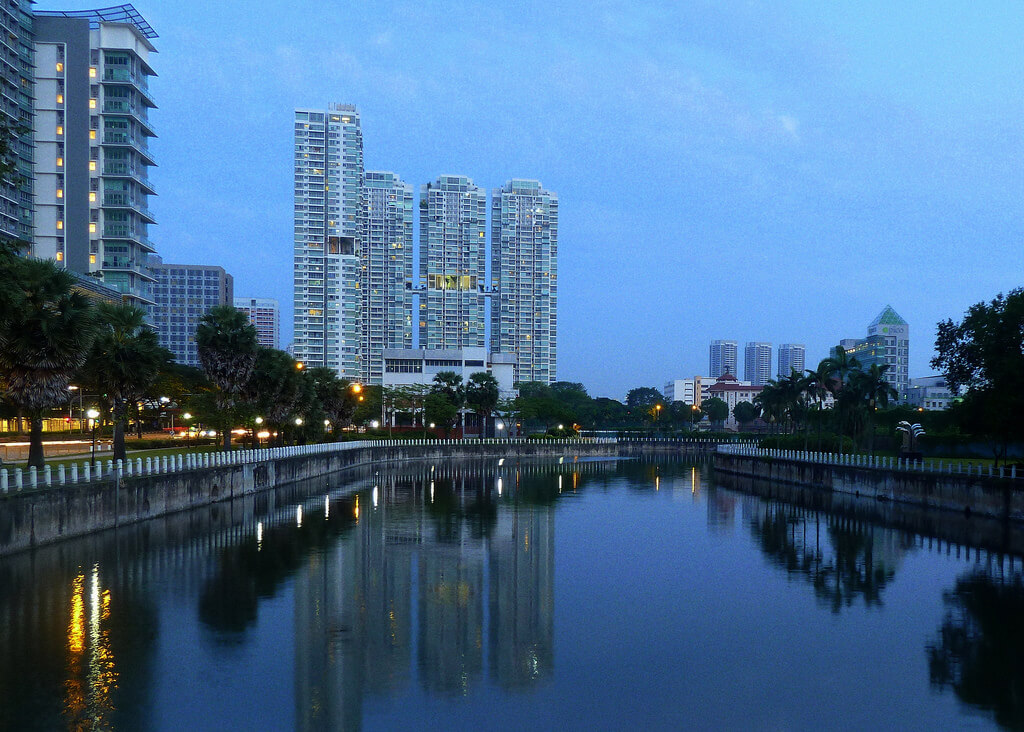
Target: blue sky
point(753, 171)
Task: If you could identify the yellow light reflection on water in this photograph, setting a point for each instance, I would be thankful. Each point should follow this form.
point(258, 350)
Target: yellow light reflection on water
point(89, 686)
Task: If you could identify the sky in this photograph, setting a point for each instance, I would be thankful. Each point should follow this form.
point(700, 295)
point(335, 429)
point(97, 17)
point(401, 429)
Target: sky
point(744, 170)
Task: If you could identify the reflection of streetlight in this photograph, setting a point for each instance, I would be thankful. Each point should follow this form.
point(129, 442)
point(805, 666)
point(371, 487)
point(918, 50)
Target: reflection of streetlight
point(93, 414)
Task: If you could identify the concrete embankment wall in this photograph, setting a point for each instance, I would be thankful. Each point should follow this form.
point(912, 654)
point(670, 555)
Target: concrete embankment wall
point(34, 518)
point(975, 494)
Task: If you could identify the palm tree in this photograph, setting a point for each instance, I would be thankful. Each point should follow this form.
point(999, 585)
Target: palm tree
point(125, 360)
point(227, 346)
point(482, 395)
point(877, 392)
point(46, 330)
point(336, 397)
point(819, 382)
point(842, 365)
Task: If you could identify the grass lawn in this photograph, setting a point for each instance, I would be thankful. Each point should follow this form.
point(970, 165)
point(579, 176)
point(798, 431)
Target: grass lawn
point(102, 457)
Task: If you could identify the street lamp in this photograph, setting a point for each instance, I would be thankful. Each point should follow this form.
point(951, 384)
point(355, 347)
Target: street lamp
point(93, 414)
point(298, 421)
point(187, 417)
point(299, 365)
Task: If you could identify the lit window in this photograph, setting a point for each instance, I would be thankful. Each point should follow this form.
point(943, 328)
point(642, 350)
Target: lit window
point(92, 196)
point(60, 225)
point(60, 66)
point(92, 72)
point(60, 99)
point(92, 230)
point(60, 162)
point(60, 256)
point(92, 104)
point(92, 259)
point(60, 193)
point(92, 165)
point(60, 129)
point(92, 134)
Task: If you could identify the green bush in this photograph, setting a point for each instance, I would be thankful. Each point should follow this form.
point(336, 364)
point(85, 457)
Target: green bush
point(829, 443)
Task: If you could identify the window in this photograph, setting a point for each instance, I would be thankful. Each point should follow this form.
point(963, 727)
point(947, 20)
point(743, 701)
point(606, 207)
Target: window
point(92, 259)
point(60, 129)
point(60, 99)
point(92, 165)
point(92, 72)
point(92, 228)
point(92, 196)
point(60, 66)
point(92, 134)
point(60, 193)
point(92, 104)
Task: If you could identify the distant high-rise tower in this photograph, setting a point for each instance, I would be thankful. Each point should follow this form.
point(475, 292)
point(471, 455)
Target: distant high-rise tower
point(524, 271)
point(757, 363)
point(328, 203)
point(887, 343)
point(92, 132)
point(791, 358)
point(16, 110)
point(723, 358)
point(386, 269)
point(453, 215)
point(265, 315)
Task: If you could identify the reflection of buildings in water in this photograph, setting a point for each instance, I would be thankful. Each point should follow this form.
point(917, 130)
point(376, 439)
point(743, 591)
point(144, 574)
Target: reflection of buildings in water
point(522, 596)
point(451, 616)
point(721, 510)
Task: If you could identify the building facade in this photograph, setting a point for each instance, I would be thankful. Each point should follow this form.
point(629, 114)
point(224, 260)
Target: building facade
point(265, 315)
point(757, 362)
point(386, 271)
point(887, 344)
point(182, 294)
point(930, 393)
point(724, 355)
point(92, 154)
point(453, 266)
point(327, 207)
point(692, 391)
point(16, 103)
point(792, 357)
point(419, 366)
point(732, 392)
point(524, 277)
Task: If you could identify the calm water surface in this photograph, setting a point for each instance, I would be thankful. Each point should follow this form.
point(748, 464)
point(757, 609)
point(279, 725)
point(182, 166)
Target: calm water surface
point(590, 595)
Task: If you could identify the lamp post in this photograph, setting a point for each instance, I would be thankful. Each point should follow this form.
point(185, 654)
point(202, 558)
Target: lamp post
point(298, 423)
point(188, 429)
point(71, 401)
point(93, 414)
point(693, 414)
point(258, 421)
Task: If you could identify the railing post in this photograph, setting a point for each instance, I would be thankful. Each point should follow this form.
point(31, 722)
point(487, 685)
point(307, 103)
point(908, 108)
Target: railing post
point(47, 476)
point(3, 480)
point(74, 472)
point(17, 480)
point(32, 477)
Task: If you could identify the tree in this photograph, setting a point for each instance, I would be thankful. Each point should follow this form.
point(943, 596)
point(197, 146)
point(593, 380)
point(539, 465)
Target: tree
point(716, 409)
point(439, 410)
point(644, 397)
point(450, 384)
point(482, 394)
point(125, 360)
point(745, 412)
point(46, 331)
point(336, 397)
point(984, 355)
point(227, 346)
point(274, 387)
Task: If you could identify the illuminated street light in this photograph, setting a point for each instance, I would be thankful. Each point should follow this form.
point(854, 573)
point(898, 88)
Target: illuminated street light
point(299, 365)
point(298, 421)
point(93, 414)
point(259, 420)
point(375, 424)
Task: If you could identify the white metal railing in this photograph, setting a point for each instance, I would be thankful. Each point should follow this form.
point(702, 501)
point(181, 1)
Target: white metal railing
point(19, 479)
point(872, 462)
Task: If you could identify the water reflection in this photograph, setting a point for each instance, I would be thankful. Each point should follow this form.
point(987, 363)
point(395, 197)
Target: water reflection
point(979, 649)
point(438, 583)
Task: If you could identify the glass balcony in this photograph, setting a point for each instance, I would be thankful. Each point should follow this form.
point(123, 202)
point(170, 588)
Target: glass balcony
point(125, 169)
point(120, 199)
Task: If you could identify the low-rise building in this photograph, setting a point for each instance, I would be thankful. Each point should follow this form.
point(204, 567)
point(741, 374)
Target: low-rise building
point(411, 366)
point(693, 390)
point(732, 391)
point(930, 393)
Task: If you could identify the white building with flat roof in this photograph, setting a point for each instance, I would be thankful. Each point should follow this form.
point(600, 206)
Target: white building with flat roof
point(411, 366)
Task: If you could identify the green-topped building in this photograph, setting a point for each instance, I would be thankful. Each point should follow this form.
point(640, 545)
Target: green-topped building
point(887, 343)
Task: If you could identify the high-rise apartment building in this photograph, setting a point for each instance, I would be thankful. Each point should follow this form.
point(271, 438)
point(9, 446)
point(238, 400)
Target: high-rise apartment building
point(453, 266)
point(723, 358)
point(182, 294)
point(757, 362)
point(327, 268)
point(92, 156)
point(887, 343)
point(16, 72)
point(387, 269)
point(792, 358)
point(524, 276)
point(265, 315)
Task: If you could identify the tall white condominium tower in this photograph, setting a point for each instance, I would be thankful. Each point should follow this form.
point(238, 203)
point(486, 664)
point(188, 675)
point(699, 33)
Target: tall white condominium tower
point(723, 358)
point(791, 358)
point(92, 133)
point(386, 269)
point(453, 216)
point(757, 363)
point(524, 271)
point(265, 315)
point(328, 195)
